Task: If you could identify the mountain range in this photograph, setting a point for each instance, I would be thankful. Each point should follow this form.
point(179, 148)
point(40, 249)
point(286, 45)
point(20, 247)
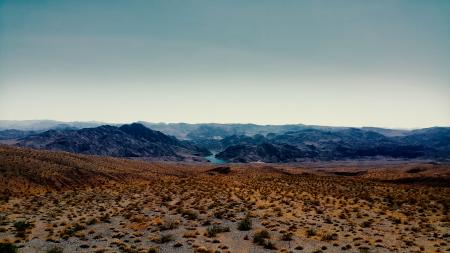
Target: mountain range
point(314, 144)
point(133, 140)
point(231, 142)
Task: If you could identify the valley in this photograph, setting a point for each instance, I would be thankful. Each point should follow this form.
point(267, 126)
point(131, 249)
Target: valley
point(224, 126)
point(238, 143)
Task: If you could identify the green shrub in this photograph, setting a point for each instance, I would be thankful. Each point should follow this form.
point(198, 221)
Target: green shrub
point(168, 225)
point(245, 224)
point(152, 250)
point(164, 238)
point(71, 231)
point(55, 250)
point(269, 245)
point(7, 247)
point(22, 225)
point(215, 229)
point(311, 232)
point(260, 237)
point(190, 215)
point(287, 237)
point(329, 237)
point(366, 224)
point(92, 221)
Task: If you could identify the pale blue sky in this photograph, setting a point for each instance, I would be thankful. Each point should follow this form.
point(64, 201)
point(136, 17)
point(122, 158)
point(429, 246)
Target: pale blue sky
point(353, 63)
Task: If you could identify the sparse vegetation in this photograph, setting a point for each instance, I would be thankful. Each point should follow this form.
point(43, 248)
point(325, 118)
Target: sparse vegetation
point(260, 237)
point(215, 229)
point(245, 224)
point(22, 225)
point(164, 238)
point(134, 206)
point(6, 247)
point(286, 236)
point(55, 250)
point(311, 232)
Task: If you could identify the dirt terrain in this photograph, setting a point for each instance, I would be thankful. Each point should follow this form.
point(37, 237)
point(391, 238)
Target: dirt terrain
point(61, 202)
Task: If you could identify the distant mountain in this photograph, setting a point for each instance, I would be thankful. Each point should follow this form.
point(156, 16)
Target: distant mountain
point(10, 134)
point(207, 131)
point(133, 140)
point(263, 152)
point(231, 142)
point(436, 139)
point(195, 132)
point(43, 125)
point(314, 144)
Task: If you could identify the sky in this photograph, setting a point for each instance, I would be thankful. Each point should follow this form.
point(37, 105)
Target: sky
point(382, 63)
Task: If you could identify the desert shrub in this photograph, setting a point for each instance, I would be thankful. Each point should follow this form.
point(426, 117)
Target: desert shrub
point(329, 237)
point(166, 198)
point(3, 220)
point(219, 214)
point(366, 224)
point(415, 170)
point(346, 247)
point(364, 250)
point(105, 218)
point(55, 250)
point(22, 225)
point(286, 237)
point(214, 230)
point(168, 225)
point(7, 247)
point(260, 237)
point(164, 238)
point(72, 230)
point(269, 245)
point(222, 170)
point(311, 232)
point(189, 214)
point(396, 220)
point(245, 224)
point(92, 221)
point(445, 218)
point(152, 250)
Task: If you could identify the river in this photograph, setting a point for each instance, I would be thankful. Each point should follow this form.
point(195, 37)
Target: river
point(212, 158)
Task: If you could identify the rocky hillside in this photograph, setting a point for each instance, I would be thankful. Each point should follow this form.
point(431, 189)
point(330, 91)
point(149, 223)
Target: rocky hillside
point(233, 142)
point(27, 171)
point(133, 140)
point(315, 144)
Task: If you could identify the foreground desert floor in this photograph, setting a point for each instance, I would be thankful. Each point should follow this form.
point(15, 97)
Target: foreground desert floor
point(61, 202)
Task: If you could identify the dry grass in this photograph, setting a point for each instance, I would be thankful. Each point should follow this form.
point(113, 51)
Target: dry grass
point(56, 200)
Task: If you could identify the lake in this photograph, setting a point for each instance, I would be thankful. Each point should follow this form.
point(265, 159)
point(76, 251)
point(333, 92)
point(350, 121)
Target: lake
point(212, 158)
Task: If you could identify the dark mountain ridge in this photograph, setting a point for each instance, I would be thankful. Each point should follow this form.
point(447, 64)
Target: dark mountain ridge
point(133, 140)
point(314, 144)
point(238, 142)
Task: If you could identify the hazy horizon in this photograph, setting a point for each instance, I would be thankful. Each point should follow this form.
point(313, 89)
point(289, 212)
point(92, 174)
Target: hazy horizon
point(218, 123)
point(347, 63)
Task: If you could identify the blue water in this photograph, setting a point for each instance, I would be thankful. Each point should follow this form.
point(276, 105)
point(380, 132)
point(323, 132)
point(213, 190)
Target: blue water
point(212, 158)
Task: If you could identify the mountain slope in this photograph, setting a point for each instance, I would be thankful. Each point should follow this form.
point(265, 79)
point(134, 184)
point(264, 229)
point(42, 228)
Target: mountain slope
point(28, 171)
point(134, 140)
point(315, 144)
